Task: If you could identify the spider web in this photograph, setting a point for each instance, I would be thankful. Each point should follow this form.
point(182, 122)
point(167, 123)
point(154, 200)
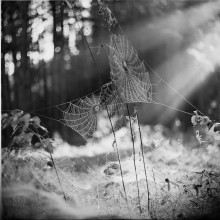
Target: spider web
point(128, 71)
point(83, 115)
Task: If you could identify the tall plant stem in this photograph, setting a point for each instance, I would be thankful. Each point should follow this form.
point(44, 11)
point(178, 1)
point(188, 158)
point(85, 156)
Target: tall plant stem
point(84, 37)
point(57, 176)
point(132, 138)
point(142, 153)
point(119, 159)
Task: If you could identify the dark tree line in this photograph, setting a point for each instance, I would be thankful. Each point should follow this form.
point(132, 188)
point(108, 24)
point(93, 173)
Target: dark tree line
point(15, 41)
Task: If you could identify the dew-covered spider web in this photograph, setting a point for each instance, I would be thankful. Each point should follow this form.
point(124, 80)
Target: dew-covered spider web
point(128, 71)
point(130, 83)
point(119, 49)
point(82, 116)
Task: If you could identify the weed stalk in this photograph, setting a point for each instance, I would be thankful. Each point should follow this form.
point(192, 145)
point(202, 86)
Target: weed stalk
point(142, 153)
point(132, 137)
point(58, 176)
point(119, 159)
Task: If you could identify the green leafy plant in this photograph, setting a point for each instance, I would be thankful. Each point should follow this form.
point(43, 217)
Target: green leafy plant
point(27, 135)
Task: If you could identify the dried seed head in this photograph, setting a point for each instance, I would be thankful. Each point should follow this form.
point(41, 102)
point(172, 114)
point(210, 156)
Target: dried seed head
point(167, 180)
point(50, 164)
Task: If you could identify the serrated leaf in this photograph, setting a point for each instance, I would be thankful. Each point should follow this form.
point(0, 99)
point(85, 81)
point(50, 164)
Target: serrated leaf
point(49, 148)
point(25, 118)
point(36, 121)
point(48, 145)
point(23, 140)
point(46, 141)
point(17, 112)
point(38, 145)
point(6, 121)
point(5, 115)
point(14, 122)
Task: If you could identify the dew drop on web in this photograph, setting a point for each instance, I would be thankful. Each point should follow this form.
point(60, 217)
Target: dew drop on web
point(96, 108)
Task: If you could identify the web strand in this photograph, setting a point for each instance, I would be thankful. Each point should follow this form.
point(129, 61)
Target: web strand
point(173, 89)
point(176, 109)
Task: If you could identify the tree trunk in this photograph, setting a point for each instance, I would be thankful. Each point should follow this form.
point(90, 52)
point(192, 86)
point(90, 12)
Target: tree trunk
point(25, 78)
point(62, 53)
point(6, 99)
point(16, 72)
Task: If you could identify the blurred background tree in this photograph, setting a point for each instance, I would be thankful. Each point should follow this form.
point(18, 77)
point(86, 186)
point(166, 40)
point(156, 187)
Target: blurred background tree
point(45, 60)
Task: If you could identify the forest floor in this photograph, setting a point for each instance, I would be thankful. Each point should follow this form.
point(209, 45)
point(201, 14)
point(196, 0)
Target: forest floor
point(183, 178)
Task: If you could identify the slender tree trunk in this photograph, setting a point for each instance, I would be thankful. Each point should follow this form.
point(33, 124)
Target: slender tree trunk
point(62, 53)
point(16, 72)
point(6, 99)
point(218, 94)
point(45, 88)
point(53, 68)
point(25, 78)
